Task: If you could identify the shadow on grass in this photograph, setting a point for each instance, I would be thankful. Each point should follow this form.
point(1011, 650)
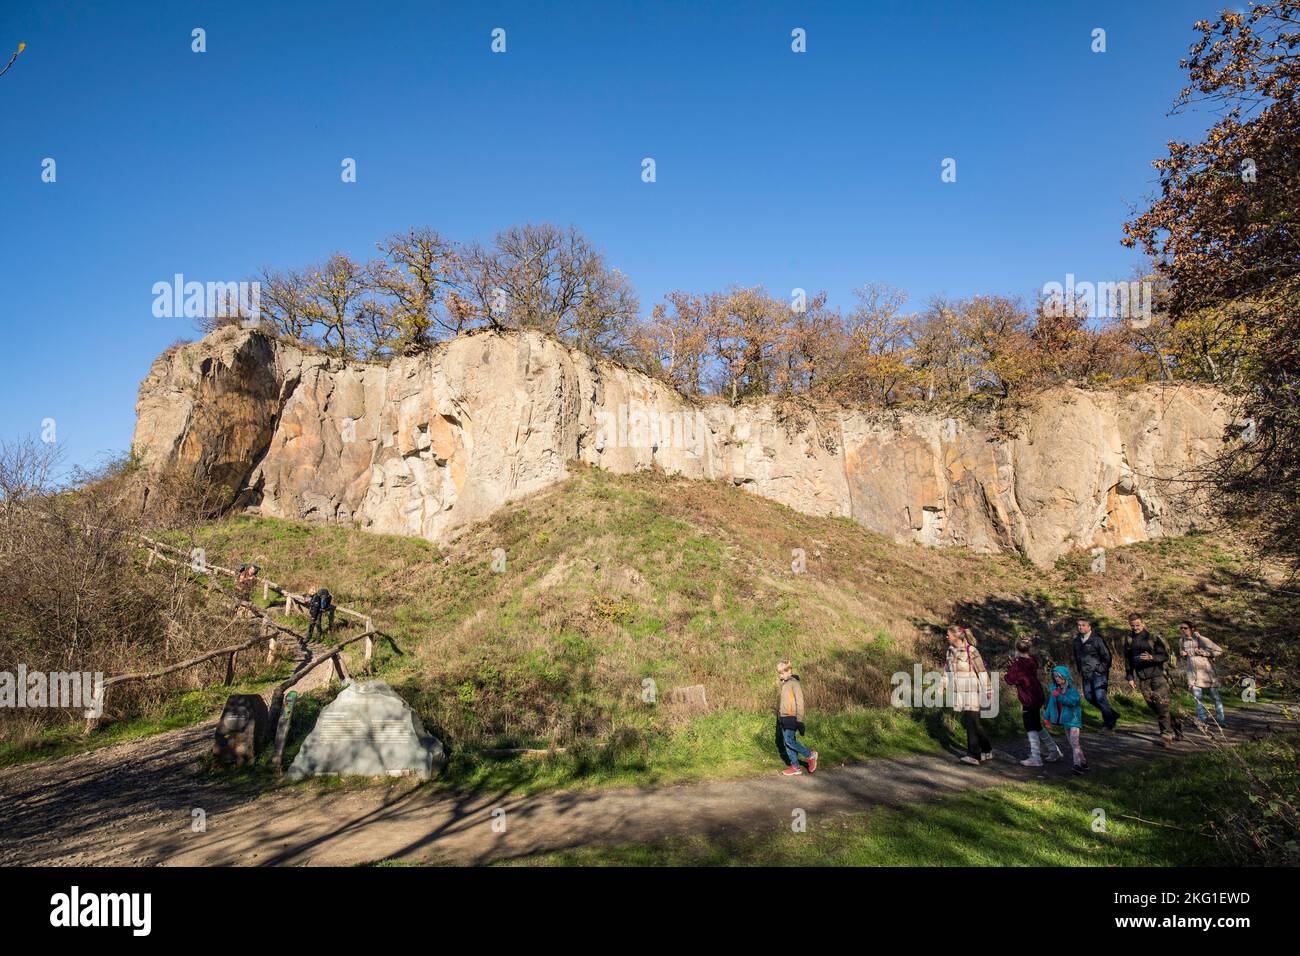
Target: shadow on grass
point(1149, 816)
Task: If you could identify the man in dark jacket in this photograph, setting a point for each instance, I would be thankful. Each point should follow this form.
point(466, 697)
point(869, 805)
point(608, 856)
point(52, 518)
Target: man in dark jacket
point(320, 603)
point(1144, 669)
point(1092, 659)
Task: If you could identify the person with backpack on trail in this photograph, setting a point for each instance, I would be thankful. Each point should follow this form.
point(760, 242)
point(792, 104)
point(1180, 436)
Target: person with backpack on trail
point(1198, 653)
point(789, 717)
point(1092, 658)
point(1023, 676)
point(1065, 709)
point(966, 683)
point(319, 603)
point(1144, 669)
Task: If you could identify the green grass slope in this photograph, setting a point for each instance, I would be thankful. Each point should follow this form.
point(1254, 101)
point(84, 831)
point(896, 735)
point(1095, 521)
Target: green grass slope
point(612, 586)
point(567, 619)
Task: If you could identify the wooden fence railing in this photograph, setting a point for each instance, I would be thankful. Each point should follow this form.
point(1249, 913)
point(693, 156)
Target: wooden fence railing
point(270, 630)
point(309, 661)
point(291, 600)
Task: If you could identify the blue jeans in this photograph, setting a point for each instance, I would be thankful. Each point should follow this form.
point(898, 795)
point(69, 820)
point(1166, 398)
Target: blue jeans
point(1095, 691)
point(793, 747)
point(1200, 706)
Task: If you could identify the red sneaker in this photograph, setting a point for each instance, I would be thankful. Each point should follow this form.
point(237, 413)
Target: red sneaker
point(791, 772)
point(812, 762)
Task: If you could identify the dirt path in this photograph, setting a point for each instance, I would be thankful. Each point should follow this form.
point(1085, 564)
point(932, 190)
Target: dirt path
point(133, 804)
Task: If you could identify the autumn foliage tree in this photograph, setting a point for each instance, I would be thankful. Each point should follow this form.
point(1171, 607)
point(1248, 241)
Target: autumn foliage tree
point(1225, 238)
point(745, 342)
point(422, 288)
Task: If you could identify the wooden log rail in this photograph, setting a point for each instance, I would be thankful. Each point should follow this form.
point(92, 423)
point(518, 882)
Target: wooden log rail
point(269, 634)
point(160, 550)
point(270, 631)
point(311, 662)
point(155, 546)
point(370, 635)
point(291, 599)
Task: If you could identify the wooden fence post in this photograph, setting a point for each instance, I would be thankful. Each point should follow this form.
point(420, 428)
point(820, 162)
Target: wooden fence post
point(96, 708)
point(370, 642)
point(230, 668)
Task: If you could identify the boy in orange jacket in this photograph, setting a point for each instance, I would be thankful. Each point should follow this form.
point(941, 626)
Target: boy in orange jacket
point(789, 717)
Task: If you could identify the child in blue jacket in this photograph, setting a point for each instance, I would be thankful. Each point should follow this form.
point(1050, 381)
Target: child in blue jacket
point(1065, 710)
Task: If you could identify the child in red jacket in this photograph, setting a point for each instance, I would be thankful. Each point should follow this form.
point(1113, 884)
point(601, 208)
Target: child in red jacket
point(1023, 676)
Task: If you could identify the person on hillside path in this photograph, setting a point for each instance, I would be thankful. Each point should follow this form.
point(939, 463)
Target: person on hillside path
point(1198, 653)
point(789, 716)
point(1144, 669)
point(244, 586)
point(1065, 709)
point(966, 683)
point(319, 603)
point(1023, 676)
point(1093, 658)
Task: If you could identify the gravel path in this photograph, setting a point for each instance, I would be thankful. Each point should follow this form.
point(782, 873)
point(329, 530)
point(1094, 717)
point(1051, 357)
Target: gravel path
point(133, 804)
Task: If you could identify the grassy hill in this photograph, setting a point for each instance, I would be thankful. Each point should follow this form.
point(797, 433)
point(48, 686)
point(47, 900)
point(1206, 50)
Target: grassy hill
point(611, 581)
point(545, 626)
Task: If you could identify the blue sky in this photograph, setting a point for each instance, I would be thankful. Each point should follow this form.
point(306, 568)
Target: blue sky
point(818, 170)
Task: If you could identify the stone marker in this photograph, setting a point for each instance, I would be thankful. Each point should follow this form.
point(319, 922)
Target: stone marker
point(282, 724)
point(369, 731)
point(692, 698)
point(241, 730)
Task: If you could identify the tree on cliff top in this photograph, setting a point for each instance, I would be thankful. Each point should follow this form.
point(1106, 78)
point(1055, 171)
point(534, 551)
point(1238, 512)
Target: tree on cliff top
point(544, 277)
point(1225, 236)
point(423, 288)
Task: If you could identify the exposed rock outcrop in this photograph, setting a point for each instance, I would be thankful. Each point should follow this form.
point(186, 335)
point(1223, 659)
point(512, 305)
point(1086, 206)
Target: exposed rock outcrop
point(427, 444)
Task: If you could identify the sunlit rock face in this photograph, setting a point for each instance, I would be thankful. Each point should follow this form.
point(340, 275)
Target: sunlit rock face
point(427, 444)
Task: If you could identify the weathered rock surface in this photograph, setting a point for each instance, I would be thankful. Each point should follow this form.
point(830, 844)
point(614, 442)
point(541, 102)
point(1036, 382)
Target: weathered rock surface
point(368, 731)
point(428, 444)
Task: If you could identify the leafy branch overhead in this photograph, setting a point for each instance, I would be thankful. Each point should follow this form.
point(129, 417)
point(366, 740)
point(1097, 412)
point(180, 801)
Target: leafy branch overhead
point(1226, 243)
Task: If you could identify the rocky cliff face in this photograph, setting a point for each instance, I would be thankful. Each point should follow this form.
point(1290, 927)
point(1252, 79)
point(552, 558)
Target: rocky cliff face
point(428, 444)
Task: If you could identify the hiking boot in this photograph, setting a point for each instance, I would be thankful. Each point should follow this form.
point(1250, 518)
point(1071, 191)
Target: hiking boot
point(1108, 728)
point(986, 756)
point(1054, 757)
point(1166, 740)
point(1080, 768)
point(1178, 735)
point(975, 761)
point(1031, 762)
point(791, 772)
point(812, 762)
